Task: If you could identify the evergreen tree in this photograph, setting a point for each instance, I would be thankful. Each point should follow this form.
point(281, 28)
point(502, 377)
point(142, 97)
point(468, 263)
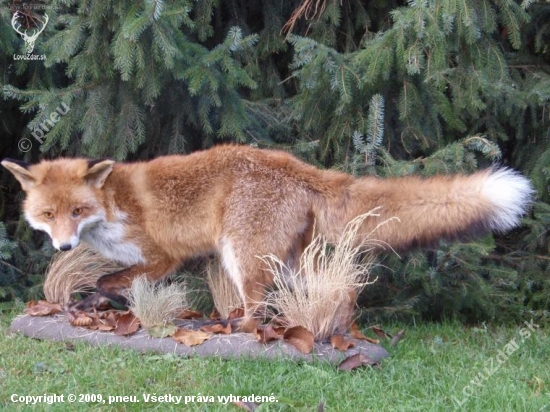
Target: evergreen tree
point(382, 88)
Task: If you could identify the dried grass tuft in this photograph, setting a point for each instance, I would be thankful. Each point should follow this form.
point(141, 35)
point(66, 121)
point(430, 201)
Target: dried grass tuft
point(156, 304)
point(320, 296)
point(223, 290)
point(75, 271)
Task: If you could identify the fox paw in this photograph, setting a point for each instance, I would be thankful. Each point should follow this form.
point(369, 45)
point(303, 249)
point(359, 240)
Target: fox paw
point(95, 301)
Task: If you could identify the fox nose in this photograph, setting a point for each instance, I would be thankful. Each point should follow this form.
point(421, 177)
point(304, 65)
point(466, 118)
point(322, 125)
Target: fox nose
point(65, 247)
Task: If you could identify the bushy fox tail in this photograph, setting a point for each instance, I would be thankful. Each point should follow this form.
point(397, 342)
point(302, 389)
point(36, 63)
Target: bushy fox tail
point(440, 207)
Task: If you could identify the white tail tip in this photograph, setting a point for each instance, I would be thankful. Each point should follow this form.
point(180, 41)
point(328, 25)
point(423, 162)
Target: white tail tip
point(511, 194)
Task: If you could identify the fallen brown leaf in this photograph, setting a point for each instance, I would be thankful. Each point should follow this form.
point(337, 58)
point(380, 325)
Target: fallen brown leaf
point(81, 319)
point(356, 361)
point(87, 320)
point(102, 326)
point(110, 318)
point(42, 308)
point(189, 314)
point(267, 334)
point(236, 313)
point(104, 321)
point(340, 343)
point(537, 384)
point(380, 332)
point(299, 337)
point(280, 330)
point(127, 324)
point(215, 315)
point(357, 334)
point(398, 336)
point(218, 328)
point(256, 333)
point(190, 337)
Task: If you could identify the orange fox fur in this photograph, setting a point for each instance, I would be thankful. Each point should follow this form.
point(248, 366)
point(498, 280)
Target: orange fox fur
point(242, 203)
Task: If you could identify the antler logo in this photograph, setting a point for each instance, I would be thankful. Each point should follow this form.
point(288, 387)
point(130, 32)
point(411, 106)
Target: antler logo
point(30, 40)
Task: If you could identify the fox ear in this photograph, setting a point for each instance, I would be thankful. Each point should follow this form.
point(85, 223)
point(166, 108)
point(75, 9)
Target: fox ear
point(21, 172)
point(98, 171)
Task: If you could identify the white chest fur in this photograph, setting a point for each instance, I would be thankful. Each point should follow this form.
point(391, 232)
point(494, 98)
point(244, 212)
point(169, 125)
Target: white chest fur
point(108, 239)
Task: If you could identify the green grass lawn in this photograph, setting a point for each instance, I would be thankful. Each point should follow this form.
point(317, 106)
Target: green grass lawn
point(486, 369)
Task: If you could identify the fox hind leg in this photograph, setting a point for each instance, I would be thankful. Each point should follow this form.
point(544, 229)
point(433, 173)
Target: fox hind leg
point(250, 274)
point(245, 270)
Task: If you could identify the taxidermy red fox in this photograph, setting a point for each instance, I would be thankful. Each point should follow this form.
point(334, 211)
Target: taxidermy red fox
point(243, 202)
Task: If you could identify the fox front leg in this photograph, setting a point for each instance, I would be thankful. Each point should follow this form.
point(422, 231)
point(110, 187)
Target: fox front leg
point(114, 286)
point(109, 287)
point(95, 301)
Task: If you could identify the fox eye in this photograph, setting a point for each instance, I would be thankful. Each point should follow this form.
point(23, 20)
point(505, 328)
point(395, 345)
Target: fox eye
point(48, 215)
point(77, 211)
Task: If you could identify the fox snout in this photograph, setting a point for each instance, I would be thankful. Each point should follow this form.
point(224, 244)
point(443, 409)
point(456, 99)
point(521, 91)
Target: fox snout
point(65, 245)
point(64, 235)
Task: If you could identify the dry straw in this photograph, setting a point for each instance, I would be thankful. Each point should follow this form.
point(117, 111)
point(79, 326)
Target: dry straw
point(222, 288)
point(156, 304)
point(75, 271)
point(320, 296)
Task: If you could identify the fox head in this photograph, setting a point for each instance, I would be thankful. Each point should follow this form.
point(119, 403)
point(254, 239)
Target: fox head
point(63, 197)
